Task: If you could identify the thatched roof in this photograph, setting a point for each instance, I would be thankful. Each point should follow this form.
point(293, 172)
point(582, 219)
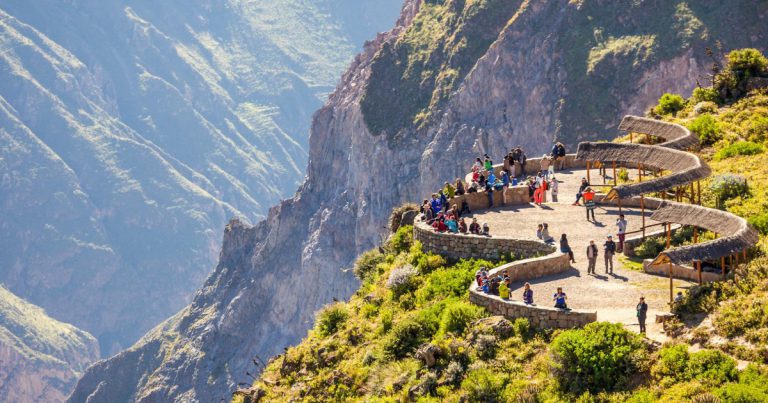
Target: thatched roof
point(735, 234)
point(675, 136)
point(685, 167)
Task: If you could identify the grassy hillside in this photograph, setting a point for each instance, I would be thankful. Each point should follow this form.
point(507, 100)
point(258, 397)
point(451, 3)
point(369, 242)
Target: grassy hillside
point(410, 333)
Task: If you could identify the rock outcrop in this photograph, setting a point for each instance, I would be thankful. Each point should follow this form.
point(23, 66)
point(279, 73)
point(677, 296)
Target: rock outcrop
point(40, 358)
point(524, 89)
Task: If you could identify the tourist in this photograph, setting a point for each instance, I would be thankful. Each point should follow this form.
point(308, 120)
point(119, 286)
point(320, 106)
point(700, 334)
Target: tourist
point(531, 189)
point(488, 164)
point(591, 256)
point(589, 202)
point(539, 231)
point(609, 249)
point(503, 290)
point(486, 229)
point(449, 190)
point(564, 247)
point(439, 223)
point(678, 298)
point(560, 159)
point(451, 224)
point(553, 186)
point(512, 169)
point(479, 277)
point(507, 164)
point(491, 178)
point(443, 199)
point(560, 299)
point(474, 228)
point(460, 187)
point(437, 205)
point(481, 181)
point(621, 224)
point(429, 215)
point(522, 160)
point(584, 185)
point(545, 164)
point(489, 191)
point(528, 294)
point(421, 208)
point(545, 234)
point(473, 187)
point(543, 191)
point(462, 226)
point(477, 165)
point(494, 286)
point(464, 208)
point(505, 179)
point(455, 212)
point(642, 311)
point(486, 285)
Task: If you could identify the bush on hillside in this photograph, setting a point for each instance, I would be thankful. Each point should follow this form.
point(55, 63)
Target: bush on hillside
point(706, 127)
point(748, 61)
point(650, 248)
point(738, 148)
point(712, 366)
point(457, 316)
point(405, 337)
point(600, 357)
point(401, 280)
point(670, 104)
point(728, 186)
point(738, 393)
point(367, 264)
point(331, 319)
point(758, 129)
point(401, 241)
point(484, 385)
point(708, 94)
point(672, 365)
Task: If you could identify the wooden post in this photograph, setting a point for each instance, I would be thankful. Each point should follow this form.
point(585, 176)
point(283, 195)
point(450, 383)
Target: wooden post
point(695, 234)
point(642, 212)
point(630, 137)
point(671, 287)
point(669, 234)
point(588, 169)
point(722, 265)
point(693, 194)
point(698, 186)
point(745, 256)
point(639, 172)
point(698, 266)
point(614, 174)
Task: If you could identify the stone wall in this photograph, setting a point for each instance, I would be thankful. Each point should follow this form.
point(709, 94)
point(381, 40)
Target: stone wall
point(539, 316)
point(513, 195)
point(461, 246)
point(680, 272)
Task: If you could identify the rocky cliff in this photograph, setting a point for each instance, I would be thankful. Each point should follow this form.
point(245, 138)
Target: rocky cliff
point(130, 132)
point(526, 85)
point(40, 358)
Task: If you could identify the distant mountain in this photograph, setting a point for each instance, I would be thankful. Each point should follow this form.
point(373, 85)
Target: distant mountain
point(130, 131)
point(40, 358)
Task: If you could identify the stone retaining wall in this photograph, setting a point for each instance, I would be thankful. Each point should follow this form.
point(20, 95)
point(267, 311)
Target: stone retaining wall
point(461, 246)
point(680, 272)
point(515, 195)
point(539, 316)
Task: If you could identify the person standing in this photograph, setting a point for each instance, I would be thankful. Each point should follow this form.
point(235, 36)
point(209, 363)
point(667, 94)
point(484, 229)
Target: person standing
point(553, 186)
point(609, 249)
point(545, 163)
point(642, 312)
point(560, 155)
point(621, 224)
point(589, 202)
point(591, 256)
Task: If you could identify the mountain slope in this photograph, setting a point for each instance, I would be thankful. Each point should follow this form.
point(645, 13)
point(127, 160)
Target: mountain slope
point(131, 131)
point(272, 277)
point(40, 358)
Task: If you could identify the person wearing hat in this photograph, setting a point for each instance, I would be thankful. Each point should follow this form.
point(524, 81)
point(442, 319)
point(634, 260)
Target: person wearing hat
point(609, 249)
point(591, 256)
point(589, 202)
point(642, 312)
point(584, 185)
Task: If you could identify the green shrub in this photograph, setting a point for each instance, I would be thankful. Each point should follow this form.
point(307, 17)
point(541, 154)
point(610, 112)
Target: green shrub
point(445, 282)
point(748, 61)
point(600, 357)
point(758, 129)
point(402, 240)
point(712, 366)
point(708, 94)
point(457, 316)
point(728, 186)
point(396, 216)
point(706, 127)
point(738, 148)
point(426, 263)
point(670, 103)
point(623, 175)
point(484, 385)
point(650, 248)
point(402, 280)
point(366, 265)
point(672, 365)
point(737, 393)
point(331, 319)
point(522, 327)
point(403, 340)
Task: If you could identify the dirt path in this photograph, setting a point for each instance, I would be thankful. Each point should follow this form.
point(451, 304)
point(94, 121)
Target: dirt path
point(613, 296)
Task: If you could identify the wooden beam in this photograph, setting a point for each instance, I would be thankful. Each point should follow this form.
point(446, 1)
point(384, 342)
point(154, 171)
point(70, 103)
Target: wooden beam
point(722, 266)
point(695, 234)
point(588, 169)
point(671, 287)
point(642, 212)
point(614, 174)
point(669, 235)
point(698, 266)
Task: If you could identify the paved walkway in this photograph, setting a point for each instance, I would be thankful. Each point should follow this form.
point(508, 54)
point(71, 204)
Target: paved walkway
point(613, 296)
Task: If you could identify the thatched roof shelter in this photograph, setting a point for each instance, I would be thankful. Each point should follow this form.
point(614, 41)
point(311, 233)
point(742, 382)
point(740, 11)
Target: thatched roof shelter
point(735, 233)
point(674, 135)
point(685, 167)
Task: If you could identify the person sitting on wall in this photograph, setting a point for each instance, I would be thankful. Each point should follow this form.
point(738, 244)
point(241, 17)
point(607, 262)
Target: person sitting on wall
point(443, 199)
point(489, 191)
point(565, 248)
point(584, 185)
point(452, 225)
point(460, 187)
point(462, 226)
point(507, 165)
point(528, 294)
point(545, 234)
point(449, 190)
point(481, 181)
point(486, 229)
point(464, 208)
point(486, 285)
point(429, 216)
point(477, 165)
point(437, 205)
point(474, 228)
point(559, 297)
point(494, 289)
point(455, 212)
point(503, 290)
point(488, 164)
point(539, 231)
point(439, 224)
point(473, 187)
point(560, 157)
point(479, 278)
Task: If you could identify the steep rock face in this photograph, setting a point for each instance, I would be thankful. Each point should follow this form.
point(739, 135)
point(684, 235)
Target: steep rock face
point(131, 131)
point(40, 358)
point(272, 277)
